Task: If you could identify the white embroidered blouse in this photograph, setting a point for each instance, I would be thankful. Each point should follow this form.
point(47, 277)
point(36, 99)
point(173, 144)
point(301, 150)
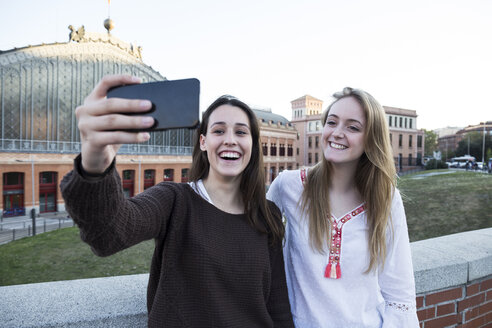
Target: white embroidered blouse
point(385, 298)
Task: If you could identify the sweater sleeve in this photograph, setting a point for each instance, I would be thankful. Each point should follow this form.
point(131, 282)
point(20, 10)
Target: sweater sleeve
point(396, 280)
point(278, 301)
point(108, 221)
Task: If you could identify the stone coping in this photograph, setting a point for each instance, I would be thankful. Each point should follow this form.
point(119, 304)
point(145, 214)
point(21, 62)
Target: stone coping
point(121, 301)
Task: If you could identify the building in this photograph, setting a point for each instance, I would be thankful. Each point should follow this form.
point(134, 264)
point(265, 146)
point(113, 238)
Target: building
point(278, 139)
point(449, 143)
point(406, 140)
point(40, 87)
point(306, 118)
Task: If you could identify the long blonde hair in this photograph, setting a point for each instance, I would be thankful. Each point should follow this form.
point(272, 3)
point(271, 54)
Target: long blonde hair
point(375, 180)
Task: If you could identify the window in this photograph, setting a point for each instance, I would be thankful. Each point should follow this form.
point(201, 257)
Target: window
point(282, 150)
point(410, 141)
point(410, 159)
point(400, 140)
point(128, 182)
point(272, 173)
point(13, 194)
point(149, 178)
point(310, 159)
point(47, 192)
point(419, 141)
point(401, 122)
point(184, 175)
point(13, 178)
point(310, 142)
point(273, 149)
point(289, 150)
point(410, 123)
point(405, 122)
point(169, 175)
point(390, 120)
point(297, 151)
point(316, 158)
point(316, 142)
point(265, 149)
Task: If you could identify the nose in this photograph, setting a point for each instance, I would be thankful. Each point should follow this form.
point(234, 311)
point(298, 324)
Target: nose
point(230, 138)
point(338, 132)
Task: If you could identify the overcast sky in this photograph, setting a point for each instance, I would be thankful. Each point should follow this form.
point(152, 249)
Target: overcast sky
point(434, 57)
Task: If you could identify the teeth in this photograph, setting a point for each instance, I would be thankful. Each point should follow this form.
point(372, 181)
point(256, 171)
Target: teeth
point(337, 146)
point(229, 154)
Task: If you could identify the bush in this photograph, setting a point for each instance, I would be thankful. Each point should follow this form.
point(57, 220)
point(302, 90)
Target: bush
point(435, 164)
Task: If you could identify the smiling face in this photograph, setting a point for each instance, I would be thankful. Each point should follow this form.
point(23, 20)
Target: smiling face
point(343, 133)
point(228, 142)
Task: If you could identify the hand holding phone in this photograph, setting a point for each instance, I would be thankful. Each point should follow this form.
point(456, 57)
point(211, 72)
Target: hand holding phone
point(175, 104)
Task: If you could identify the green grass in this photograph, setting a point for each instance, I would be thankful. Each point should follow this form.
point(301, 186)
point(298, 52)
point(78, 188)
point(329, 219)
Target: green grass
point(447, 203)
point(435, 206)
point(61, 255)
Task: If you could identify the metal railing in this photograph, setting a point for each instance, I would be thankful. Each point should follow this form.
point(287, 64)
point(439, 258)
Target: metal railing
point(44, 146)
point(24, 229)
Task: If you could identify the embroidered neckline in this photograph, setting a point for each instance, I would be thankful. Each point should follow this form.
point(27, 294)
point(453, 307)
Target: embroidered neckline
point(332, 269)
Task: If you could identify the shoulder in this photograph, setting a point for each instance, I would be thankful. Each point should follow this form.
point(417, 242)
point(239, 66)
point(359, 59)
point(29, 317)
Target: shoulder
point(289, 177)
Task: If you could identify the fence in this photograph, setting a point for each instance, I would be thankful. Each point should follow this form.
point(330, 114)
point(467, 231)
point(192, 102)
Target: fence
point(24, 229)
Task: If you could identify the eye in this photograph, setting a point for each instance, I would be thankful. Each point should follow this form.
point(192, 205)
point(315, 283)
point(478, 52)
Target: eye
point(242, 132)
point(354, 128)
point(331, 123)
point(218, 131)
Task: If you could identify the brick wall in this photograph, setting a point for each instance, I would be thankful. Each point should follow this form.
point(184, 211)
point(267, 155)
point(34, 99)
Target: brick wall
point(466, 306)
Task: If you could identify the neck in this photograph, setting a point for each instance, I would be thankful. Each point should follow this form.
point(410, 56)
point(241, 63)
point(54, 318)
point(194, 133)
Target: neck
point(225, 193)
point(342, 178)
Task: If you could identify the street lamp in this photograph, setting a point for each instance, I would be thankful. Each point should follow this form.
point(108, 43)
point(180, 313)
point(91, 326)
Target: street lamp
point(483, 145)
point(139, 172)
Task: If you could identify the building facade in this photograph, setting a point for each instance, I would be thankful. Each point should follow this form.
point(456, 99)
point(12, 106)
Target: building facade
point(406, 140)
point(40, 87)
point(278, 140)
point(306, 118)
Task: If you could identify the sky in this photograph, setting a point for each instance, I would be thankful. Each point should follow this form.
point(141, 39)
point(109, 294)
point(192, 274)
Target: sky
point(434, 57)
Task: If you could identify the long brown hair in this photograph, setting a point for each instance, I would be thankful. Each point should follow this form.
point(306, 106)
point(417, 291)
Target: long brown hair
point(375, 180)
point(252, 188)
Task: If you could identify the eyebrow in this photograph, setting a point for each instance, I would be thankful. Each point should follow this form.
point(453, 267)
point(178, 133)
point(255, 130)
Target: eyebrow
point(237, 124)
point(350, 119)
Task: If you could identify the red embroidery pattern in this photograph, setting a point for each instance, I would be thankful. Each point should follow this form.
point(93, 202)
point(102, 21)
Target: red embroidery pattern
point(332, 269)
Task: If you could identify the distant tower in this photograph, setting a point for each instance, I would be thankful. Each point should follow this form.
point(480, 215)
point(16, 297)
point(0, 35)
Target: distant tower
point(108, 22)
point(305, 106)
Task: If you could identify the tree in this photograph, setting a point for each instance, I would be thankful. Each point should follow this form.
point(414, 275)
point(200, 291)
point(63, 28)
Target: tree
point(430, 144)
point(474, 141)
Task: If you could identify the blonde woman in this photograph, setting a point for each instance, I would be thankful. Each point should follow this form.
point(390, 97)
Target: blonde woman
point(347, 252)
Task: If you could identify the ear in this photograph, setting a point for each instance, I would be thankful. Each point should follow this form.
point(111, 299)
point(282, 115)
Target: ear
point(202, 143)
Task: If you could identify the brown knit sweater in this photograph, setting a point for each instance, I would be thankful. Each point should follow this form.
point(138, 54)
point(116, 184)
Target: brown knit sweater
point(209, 268)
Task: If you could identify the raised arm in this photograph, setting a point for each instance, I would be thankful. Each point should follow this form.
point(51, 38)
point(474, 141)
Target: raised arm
point(100, 122)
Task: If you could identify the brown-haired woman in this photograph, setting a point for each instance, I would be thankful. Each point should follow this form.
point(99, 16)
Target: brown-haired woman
point(218, 257)
point(347, 252)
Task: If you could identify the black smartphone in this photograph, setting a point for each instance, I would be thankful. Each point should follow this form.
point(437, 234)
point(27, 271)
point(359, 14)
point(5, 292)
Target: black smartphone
point(175, 104)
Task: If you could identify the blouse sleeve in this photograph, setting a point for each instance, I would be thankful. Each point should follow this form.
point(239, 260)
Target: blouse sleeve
point(396, 280)
point(108, 221)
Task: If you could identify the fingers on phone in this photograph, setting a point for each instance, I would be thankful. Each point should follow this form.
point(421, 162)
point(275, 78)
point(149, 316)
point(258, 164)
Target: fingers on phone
point(109, 81)
point(119, 137)
point(112, 122)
